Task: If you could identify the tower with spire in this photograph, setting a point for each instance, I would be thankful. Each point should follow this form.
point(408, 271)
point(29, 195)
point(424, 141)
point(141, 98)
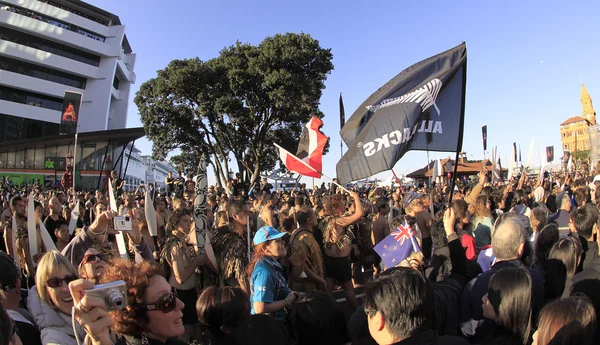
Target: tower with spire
point(575, 131)
point(586, 104)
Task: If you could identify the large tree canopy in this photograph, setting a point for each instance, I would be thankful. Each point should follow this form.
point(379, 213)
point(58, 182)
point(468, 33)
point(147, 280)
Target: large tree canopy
point(233, 107)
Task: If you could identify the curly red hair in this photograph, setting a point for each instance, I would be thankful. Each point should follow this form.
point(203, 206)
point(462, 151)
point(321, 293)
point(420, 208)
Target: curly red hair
point(133, 319)
point(334, 203)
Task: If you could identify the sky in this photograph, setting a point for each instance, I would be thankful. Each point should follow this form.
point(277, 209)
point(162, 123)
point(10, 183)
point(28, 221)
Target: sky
point(525, 58)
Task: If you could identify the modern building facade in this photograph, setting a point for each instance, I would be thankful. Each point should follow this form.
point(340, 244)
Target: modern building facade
point(578, 132)
point(49, 47)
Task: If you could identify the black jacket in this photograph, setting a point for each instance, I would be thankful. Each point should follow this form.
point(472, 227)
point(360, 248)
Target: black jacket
point(471, 314)
point(127, 340)
point(446, 298)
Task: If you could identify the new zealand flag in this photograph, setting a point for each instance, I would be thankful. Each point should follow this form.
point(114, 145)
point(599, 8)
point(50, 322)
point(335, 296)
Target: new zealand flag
point(397, 246)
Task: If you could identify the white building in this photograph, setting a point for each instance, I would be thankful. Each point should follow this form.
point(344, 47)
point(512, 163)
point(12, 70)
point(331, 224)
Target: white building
point(48, 47)
point(138, 169)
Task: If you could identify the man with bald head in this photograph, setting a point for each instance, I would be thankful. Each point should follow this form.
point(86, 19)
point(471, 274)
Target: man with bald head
point(55, 214)
point(508, 242)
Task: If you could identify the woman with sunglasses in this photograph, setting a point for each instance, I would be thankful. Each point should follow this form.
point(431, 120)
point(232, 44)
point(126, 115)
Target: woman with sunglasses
point(153, 316)
point(93, 265)
point(50, 301)
point(270, 293)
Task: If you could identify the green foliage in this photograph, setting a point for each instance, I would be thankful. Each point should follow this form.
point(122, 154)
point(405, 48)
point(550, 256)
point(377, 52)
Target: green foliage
point(238, 104)
point(582, 155)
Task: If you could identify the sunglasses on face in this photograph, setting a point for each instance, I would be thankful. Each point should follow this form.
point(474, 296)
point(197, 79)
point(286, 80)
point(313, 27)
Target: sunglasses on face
point(57, 282)
point(93, 258)
point(166, 303)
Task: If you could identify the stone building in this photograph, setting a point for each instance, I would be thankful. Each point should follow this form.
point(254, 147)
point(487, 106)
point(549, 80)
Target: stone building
point(575, 131)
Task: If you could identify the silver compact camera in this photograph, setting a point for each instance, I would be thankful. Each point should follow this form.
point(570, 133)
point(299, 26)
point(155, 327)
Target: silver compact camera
point(114, 294)
point(122, 223)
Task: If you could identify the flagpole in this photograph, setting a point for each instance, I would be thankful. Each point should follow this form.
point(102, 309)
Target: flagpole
point(313, 169)
point(428, 168)
point(460, 136)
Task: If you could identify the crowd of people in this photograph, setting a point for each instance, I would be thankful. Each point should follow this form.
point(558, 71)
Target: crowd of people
point(513, 261)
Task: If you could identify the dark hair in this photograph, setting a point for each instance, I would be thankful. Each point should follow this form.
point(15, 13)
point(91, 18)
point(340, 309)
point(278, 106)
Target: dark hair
point(438, 235)
point(227, 306)
point(509, 294)
point(6, 327)
point(584, 219)
point(261, 329)
point(60, 222)
point(299, 201)
point(333, 204)
point(14, 200)
point(568, 250)
point(548, 236)
point(381, 204)
point(303, 216)
point(236, 207)
point(317, 319)
point(287, 222)
point(177, 215)
point(404, 297)
point(551, 203)
point(518, 198)
point(567, 321)
point(582, 195)
point(133, 319)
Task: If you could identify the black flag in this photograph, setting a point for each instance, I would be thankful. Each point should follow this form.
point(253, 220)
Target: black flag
point(342, 113)
point(549, 154)
point(422, 108)
point(520, 161)
point(515, 151)
point(484, 137)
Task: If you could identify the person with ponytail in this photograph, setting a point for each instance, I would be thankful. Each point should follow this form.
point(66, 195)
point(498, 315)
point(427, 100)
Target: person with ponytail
point(269, 291)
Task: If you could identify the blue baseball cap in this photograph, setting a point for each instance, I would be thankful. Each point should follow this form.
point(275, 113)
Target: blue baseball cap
point(267, 233)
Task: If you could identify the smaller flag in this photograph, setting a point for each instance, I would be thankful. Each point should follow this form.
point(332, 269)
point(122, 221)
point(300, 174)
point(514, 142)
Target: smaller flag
point(530, 153)
point(484, 137)
point(520, 160)
point(549, 154)
point(397, 246)
point(308, 160)
point(150, 214)
point(570, 164)
point(292, 163)
point(515, 151)
point(70, 112)
point(342, 113)
point(74, 218)
point(31, 228)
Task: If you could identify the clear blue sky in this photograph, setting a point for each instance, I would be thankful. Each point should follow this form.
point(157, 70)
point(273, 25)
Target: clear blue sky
point(524, 57)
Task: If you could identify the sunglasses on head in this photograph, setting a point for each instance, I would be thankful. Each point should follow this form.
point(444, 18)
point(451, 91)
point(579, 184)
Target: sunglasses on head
point(166, 303)
point(92, 258)
point(57, 282)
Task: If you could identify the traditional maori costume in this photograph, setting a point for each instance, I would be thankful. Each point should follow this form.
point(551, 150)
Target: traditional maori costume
point(231, 251)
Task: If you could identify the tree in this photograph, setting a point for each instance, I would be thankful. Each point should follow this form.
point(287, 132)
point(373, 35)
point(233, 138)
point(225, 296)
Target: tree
point(234, 107)
point(581, 155)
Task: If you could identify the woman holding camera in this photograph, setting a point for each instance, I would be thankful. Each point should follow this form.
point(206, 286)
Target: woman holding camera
point(153, 315)
point(270, 293)
point(50, 301)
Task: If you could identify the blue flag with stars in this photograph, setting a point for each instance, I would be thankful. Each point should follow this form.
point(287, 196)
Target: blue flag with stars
point(397, 246)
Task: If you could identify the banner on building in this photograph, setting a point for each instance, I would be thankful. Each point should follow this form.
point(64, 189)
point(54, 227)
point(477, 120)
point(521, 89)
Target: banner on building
point(70, 112)
point(549, 154)
point(422, 108)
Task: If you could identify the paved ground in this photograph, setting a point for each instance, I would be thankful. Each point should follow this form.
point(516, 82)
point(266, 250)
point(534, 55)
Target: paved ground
point(340, 296)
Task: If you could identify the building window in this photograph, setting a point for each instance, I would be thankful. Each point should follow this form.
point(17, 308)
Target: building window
point(564, 135)
point(30, 98)
point(48, 46)
point(99, 21)
point(116, 83)
point(566, 147)
point(586, 143)
point(40, 72)
point(51, 21)
point(17, 128)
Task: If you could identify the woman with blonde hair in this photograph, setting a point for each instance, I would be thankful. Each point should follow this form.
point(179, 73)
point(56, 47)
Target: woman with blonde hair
point(481, 223)
point(50, 301)
point(270, 293)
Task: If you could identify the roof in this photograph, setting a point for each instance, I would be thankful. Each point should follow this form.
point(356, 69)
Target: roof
point(584, 93)
point(126, 134)
point(92, 10)
point(573, 119)
point(464, 168)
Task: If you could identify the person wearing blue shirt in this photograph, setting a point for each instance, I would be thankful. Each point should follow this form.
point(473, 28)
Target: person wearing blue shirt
point(269, 292)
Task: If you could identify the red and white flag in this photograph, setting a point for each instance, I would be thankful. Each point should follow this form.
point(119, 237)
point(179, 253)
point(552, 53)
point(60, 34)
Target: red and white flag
point(309, 157)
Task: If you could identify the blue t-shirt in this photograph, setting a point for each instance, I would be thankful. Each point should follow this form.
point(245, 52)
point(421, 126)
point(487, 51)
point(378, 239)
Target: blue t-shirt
point(268, 285)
